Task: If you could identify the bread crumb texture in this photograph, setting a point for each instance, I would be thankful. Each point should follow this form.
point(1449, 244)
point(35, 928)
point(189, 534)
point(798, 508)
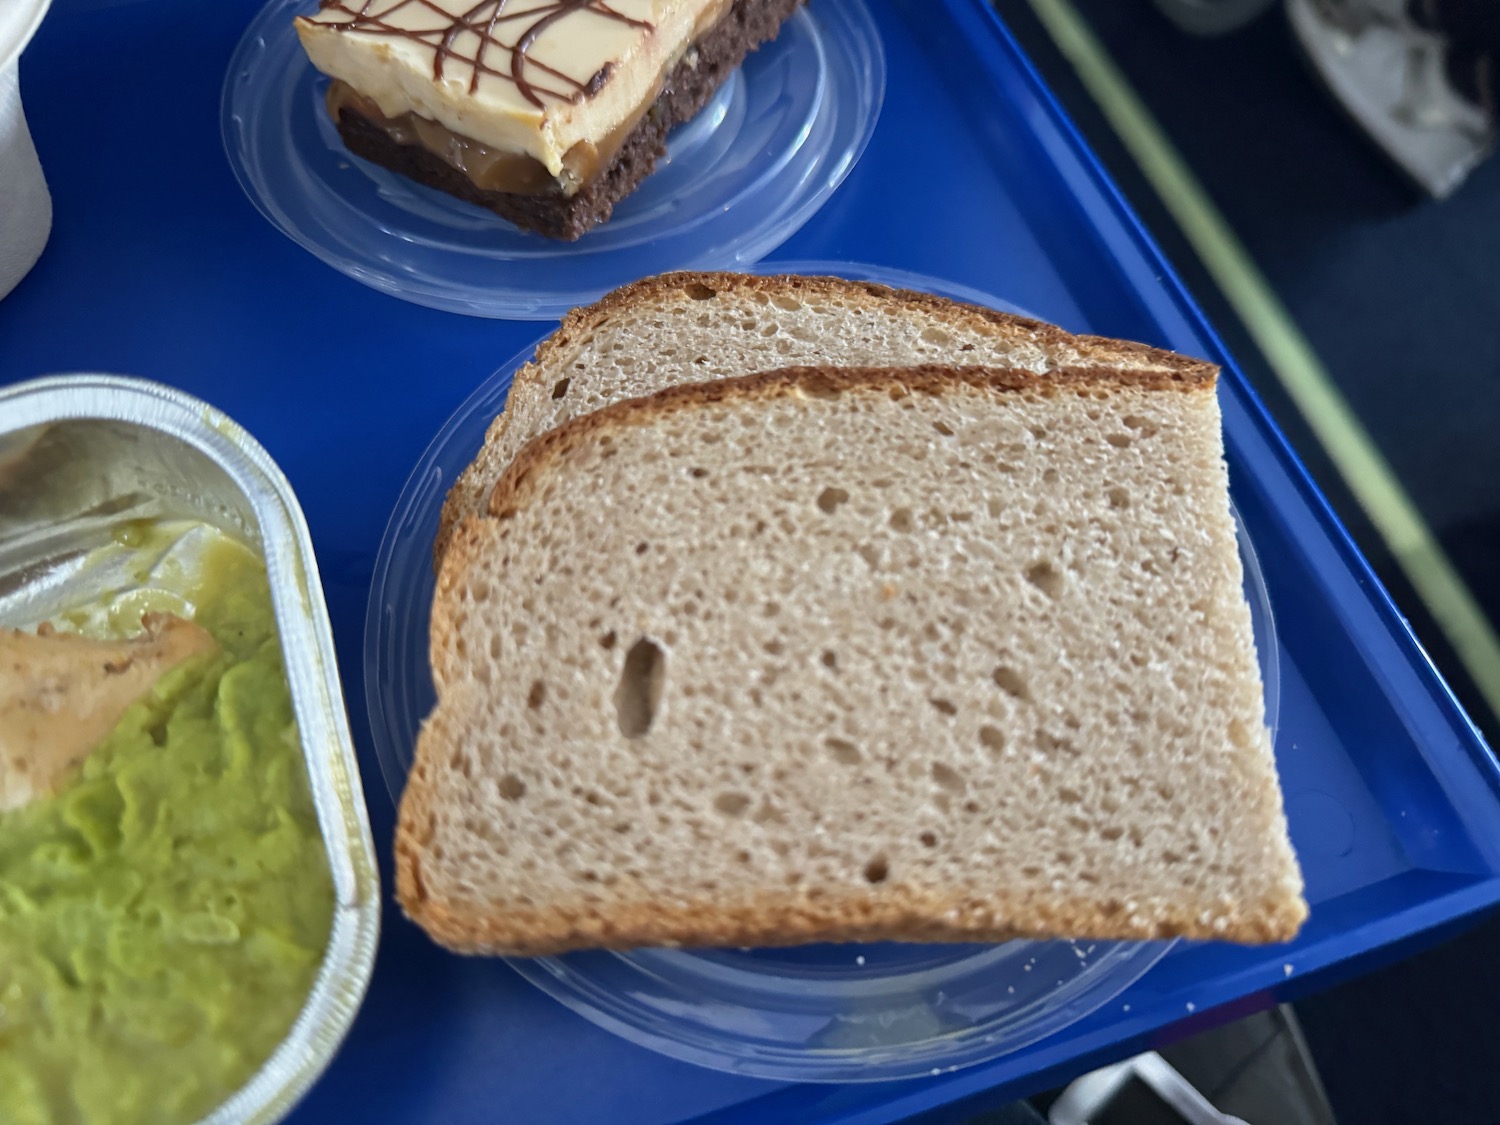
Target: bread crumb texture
point(852, 655)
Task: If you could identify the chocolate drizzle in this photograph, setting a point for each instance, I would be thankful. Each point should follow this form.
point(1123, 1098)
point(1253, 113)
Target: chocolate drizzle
point(482, 20)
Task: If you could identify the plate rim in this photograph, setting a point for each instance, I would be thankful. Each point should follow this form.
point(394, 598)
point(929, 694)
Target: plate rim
point(863, 53)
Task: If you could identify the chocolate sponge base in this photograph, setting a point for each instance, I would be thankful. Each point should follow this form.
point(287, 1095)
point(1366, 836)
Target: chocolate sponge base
point(746, 25)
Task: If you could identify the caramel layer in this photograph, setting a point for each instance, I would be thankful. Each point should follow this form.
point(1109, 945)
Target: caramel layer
point(489, 168)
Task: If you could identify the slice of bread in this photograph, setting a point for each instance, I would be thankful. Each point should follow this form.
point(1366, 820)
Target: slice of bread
point(830, 654)
point(694, 327)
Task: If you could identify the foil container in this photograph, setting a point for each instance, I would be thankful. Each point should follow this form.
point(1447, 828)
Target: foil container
point(81, 454)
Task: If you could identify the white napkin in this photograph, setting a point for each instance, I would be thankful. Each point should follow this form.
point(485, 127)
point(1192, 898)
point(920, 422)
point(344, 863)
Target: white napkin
point(25, 206)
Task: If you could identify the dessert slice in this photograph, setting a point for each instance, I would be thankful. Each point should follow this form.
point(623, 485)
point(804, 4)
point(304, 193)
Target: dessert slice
point(547, 112)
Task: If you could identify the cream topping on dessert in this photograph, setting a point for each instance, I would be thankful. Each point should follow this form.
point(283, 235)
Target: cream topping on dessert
point(534, 77)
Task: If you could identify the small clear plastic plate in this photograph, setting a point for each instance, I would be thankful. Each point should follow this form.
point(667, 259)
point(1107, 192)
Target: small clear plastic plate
point(739, 179)
point(835, 1013)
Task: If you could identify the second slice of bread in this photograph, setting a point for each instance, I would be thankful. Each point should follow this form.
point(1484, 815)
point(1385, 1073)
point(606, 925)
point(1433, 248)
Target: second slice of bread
point(696, 327)
point(933, 654)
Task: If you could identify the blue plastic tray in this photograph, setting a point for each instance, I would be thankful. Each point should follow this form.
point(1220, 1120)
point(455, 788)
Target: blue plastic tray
point(159, 267)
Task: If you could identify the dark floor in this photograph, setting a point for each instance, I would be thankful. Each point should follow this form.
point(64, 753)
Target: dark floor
point(1400, 297)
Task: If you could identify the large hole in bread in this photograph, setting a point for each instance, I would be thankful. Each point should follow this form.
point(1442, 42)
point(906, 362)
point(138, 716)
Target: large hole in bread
point(638, 694)
point(512, 788)
point(1046, 578)
point(830, 498)
point(731, 804)
point(1011, 682)
point(947, 777)
point(843, 751)
point(768, 813)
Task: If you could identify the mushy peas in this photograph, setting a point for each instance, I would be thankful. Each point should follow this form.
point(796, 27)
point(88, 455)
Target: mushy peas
point(163, 914)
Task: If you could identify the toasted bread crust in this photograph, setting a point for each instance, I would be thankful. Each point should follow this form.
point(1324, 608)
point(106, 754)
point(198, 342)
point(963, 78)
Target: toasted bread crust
point(466, 495)
point(900, 914)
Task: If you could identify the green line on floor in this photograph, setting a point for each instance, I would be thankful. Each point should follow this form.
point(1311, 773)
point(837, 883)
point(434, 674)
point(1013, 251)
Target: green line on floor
point(1358, 460)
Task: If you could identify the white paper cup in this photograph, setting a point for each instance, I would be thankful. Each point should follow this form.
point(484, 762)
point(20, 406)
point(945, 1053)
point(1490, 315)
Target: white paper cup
point(25, 205)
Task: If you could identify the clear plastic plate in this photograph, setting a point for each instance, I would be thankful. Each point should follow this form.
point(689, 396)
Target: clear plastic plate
point(739, 179)
point(837, 1013)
